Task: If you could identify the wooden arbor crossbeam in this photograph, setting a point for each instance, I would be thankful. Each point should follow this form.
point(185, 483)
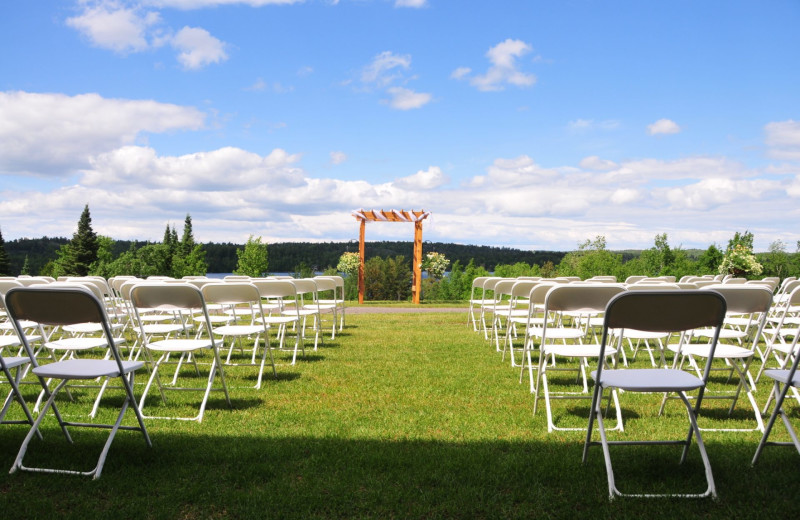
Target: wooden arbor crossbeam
point(364, 216)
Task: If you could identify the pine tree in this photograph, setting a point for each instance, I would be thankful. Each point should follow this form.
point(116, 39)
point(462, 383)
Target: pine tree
point(5, 262)
point(187, 241)
point(84, 244)
point(26, 267)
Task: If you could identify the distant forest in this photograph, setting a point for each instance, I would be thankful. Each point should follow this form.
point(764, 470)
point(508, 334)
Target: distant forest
point(287, 256)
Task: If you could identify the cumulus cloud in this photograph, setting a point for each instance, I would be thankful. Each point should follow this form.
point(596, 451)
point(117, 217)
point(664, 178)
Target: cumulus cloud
point(51, 134)
point(503, 69)
point(110, 25)
point(125, 28)
point(717, 191)
point(429, 179)
point(594, 162)
point(783, 140)
point(198, 48)
point(663, 126)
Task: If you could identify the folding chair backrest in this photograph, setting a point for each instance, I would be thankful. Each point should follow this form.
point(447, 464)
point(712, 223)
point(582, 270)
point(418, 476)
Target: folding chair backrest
point(325, 284)
point(231, 292)
point(657, 286)
point(275, 288)
point(665, 311)
point(55, 305)
point(581, 298)
point(167, 297)
point(5, 285)
point(744, 299)
point(523, 288)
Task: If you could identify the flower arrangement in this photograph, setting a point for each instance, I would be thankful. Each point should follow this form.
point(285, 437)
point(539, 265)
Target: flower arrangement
point(740, 260)
point(348, 263)
point(436, 264)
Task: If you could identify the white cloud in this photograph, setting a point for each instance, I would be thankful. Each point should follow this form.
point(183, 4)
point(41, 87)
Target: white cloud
point(504, 69)
point(406, 99)
point(201, 4)
point(52, 134)
point(783, 139)
point(712, 192)
point(382, 69)
point(594, 162)
point(258, 86)
point(584, 125)
point(411, 3)
point(338, 157)
point(519, 171)
point(126, 27)
point(110, 25)
point(428, 179)
point(461, 73)
point(663, 126)
point(198, 48)
point(224, 169)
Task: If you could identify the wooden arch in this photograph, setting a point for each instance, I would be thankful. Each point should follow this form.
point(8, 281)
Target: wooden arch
point(363, 216)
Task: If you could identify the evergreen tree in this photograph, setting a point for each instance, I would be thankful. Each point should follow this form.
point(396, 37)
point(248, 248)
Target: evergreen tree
point(26, 267)
point(84, 244)
point(5, 262)
point(187, 241)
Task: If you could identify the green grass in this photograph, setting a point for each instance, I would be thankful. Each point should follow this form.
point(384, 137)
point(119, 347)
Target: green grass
point(402, 416)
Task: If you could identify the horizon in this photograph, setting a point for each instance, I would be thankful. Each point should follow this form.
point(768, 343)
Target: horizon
point(526, 124)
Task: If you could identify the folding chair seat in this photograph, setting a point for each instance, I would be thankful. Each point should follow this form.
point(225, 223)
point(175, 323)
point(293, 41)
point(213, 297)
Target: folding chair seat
point(784, 379)
point(234, 294)
point(783, 325)
point(181, 299)
point(17, 364)
point(275, 292)
point(578, 299)
point(56, 306)
point(657, 311)
point(753, 302)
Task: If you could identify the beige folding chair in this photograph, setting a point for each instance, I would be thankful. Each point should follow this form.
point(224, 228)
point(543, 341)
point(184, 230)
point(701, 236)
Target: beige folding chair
point(327, 287)
point(657, 311)
point(64, 306)
point(238, 293)
point(177, 298)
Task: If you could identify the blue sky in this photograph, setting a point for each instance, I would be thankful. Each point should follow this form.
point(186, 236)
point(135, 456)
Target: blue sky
point(519, 123)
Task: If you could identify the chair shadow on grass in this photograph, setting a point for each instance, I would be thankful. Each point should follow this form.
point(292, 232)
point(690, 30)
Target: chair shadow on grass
point(190, 473)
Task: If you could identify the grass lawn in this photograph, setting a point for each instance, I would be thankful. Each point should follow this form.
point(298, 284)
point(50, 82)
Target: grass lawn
point(401, 416)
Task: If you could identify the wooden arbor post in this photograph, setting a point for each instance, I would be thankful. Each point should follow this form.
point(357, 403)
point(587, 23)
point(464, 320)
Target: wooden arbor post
point(393, 216)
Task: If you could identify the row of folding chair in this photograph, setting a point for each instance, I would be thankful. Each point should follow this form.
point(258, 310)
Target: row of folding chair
point(167, 318)
point(559, 311)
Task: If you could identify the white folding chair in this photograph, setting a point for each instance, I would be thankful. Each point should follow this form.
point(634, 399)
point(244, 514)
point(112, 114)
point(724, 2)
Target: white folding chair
point(657, 311)
point(745, 304)
point(18, 364)
point(238, 293)
point(784, 379)
point(338, 297)
point(65, 306)
point(576, 300)
point(177, 298)
point(277, 292)
point(306, 306)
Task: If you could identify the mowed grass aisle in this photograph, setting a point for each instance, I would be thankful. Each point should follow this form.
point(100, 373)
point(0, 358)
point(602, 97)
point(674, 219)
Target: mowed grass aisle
point(402, 416)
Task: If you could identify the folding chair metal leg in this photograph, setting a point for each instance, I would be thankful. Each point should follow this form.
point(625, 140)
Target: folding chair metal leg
point(787, 424)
